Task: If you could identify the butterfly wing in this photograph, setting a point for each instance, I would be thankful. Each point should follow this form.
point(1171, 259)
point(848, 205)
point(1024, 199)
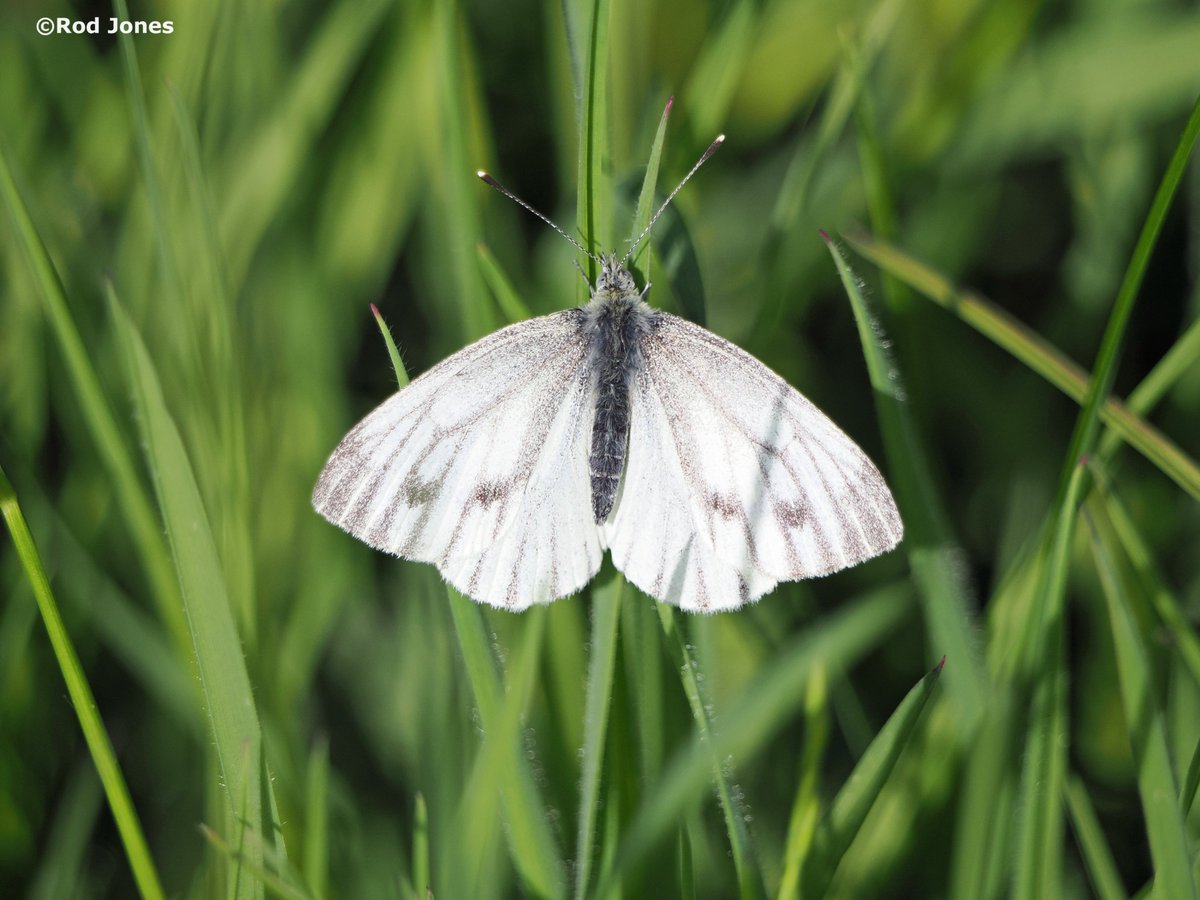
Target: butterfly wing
point(480, 467)
point(734, 481)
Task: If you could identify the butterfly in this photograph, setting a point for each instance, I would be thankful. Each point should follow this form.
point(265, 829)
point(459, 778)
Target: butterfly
point(515, 463)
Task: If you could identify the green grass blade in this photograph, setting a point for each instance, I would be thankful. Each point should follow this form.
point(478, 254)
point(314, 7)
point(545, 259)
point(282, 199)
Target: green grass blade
point(1190, 782)
point(687, 870)
point(1104, 372)
point(506, 295)
point(1097, 857)
point(748, 877)
point(714, 74)
point(1038, 871)
point(852, 803)
point(132, 633)
point(982, 855)
point(131, 496)
point(606, 614)
point(932, 548)
point(62, 863)
point(530, 840)
point(421, 878)
point(844, 98)
point(115, 789)
point(1174, 364)
point(229, 697)
point(647, 198)
point(1150, 579)
point(594, 200)
point(209, 305)
point(839, 640)
point(1157, 788)
point(454, 177)
point(249, 859)
point(393, 351)
point(316, 819)
point(806, 807)
point(259, 175)
point(644, 668)
point(1037, 353)
point(142, 140)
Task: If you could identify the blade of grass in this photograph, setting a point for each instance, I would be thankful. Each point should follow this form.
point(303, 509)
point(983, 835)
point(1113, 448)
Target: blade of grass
point(115, 789)
point(838, 640)
point(131, 633)
point(1097, 858)
point(718, 68)
point(454, 179)
point(1190, 782)
point(687, 872)
point(643, 671)
point(844, 98)
point(983, 845)
point(421, 879)
point(258, 176)
point(213, 312)
point(316, 819)
point(142, 141)
point(606, 613)
point(881, 205)
point(1039, 866)
point(131, 496)
point(1104, 372)
point(646, 198)
point(1150, 579)
point(229, 697)
point(1035, 352)
point(530, 840)
point(1038, 870)
point(507, 298)
point(593, 202)
point(932, 548)
point(806, 807)
point(1168, 370)
point(1157, 788)
point(393, 351)
point(250, 860)
point(534, 850)
point(749, 878)
point(64, 850)
point(810, 152)
point(856, 797)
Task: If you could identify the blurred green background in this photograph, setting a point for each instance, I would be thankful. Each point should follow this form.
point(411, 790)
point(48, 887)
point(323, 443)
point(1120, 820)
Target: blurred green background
point(233, 195)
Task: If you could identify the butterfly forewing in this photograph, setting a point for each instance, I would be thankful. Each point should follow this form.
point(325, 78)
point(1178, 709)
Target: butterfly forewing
point(480, 467)
point(735, 481)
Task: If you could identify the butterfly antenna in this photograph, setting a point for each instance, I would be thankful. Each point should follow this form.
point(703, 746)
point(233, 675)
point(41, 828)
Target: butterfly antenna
point(712, 148)
point(488, 179)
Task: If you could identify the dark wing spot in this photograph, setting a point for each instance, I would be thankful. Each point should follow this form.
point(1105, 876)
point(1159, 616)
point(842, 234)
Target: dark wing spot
point(418, 492)
point(793, 514)
point(727, 506)
point(486, 493)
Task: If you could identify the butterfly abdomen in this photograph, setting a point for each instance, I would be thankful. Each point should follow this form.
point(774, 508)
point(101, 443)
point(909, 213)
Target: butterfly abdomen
point(615, 327)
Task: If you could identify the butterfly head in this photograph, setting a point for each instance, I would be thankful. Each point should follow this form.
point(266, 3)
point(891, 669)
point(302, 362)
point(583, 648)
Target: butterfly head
point(614, 279)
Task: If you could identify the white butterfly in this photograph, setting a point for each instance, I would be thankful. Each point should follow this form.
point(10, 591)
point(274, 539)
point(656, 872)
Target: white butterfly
point(514, 464)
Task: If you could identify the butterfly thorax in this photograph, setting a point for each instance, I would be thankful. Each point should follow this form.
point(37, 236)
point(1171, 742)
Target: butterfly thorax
point(615, 323)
